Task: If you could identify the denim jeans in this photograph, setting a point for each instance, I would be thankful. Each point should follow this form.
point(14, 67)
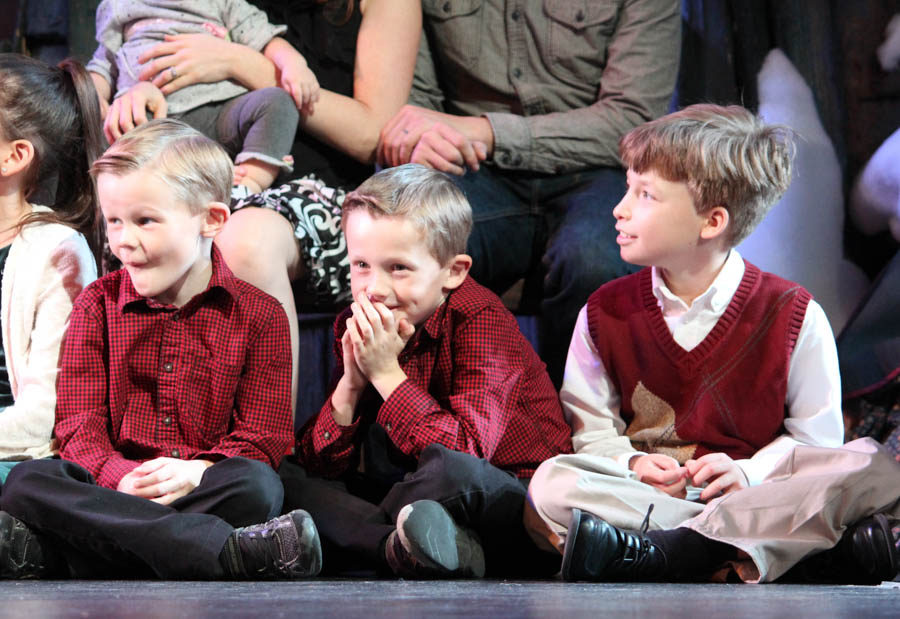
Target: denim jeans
point(557, 231)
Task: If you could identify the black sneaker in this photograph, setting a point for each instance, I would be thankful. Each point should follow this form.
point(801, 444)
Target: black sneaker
point(427, 543)
point(23, 553)
point(286, 547)
point(597, 551)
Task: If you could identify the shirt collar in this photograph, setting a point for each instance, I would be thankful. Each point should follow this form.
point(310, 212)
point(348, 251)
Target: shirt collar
point(221, 278)
point(716, 297)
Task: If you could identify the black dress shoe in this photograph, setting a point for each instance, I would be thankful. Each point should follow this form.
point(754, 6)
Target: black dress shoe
point(870, 545)
point(283, 548)
point(24, 553)
point(597, 551)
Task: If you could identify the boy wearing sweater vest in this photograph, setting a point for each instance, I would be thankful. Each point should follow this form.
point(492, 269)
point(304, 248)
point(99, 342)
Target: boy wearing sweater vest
point(704, 394)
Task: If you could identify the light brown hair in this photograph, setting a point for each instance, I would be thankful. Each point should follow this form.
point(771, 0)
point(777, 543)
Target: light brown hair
point(726, 155)
point(196, 168)
point(425, 197)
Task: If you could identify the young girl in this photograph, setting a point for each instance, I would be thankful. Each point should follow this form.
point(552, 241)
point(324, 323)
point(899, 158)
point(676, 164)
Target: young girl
point(50, 132)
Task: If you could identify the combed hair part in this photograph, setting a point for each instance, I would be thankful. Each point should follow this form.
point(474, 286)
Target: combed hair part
point(196, 168)
point(427, 198)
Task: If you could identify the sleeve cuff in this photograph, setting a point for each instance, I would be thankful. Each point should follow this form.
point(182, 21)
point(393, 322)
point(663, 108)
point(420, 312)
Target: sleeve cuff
point(512, 141)
point(112, 472)
point(403, 411)
point(328, 434)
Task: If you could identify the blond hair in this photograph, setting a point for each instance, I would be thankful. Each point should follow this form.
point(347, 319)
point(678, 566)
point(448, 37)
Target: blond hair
point(425, 197)
point(196, 168)
point(727, 157)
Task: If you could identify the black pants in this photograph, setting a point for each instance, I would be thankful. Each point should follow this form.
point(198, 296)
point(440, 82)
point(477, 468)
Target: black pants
point(106, 533)
point(354, 515)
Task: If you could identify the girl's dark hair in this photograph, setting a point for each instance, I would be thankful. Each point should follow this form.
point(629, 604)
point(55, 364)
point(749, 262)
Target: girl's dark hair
point(56, 109)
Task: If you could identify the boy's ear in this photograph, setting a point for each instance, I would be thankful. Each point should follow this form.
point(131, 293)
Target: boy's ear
point(217, 214)
point(17, 158)
point(459, 269)
point(717, 220)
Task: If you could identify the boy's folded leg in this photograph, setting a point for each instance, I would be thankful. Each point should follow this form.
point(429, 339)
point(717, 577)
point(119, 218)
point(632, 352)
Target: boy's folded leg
point(24, 553)
point(427, 543)
point(286, 547)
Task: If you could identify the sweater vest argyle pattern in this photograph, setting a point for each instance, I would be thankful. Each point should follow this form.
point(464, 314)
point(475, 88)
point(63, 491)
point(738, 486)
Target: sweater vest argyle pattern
point(727, 394)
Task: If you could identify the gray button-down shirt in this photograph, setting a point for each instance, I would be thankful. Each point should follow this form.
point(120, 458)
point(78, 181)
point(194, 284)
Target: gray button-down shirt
point(559, 80)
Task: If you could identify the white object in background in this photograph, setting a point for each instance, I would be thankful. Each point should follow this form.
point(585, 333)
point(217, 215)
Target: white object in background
point(801, 239)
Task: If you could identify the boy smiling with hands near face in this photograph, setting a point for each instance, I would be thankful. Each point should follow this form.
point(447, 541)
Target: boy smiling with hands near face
point(417, 464)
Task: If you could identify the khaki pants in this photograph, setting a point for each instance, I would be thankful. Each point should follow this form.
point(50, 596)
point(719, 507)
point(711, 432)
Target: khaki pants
point(802, 507)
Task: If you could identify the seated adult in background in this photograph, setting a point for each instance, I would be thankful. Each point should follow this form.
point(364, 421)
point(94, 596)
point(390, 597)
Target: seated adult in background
point(526, 101)
point(363, 53)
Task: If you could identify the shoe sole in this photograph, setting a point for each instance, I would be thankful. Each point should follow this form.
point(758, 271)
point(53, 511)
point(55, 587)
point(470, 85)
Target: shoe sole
point(882, 547)
point(568, 548)
point(430, 535)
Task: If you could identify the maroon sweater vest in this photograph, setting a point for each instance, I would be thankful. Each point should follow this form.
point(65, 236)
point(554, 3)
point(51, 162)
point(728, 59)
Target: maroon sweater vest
point(727, 394)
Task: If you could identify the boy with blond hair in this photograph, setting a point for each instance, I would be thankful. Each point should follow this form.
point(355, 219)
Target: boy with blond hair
point(704, 394)
point(173, 406)
point(418, 462)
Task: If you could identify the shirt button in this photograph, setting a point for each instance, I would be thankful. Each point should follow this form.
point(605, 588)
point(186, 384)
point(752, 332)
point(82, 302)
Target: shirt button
point(517, 73)
point(176, 453)
point(579, 16)
point(167, 420)
point(167, 366)
point(387, 427)
point(515, 15)
point(326, 434)
point(446, 7)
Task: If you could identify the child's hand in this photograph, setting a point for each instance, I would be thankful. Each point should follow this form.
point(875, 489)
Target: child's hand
point(353, 376)
point(216, 30)
point(662, 472)
point(163, 480)
point(377, 342)
point(239, 173)
point(720, 471)
point(300, 82)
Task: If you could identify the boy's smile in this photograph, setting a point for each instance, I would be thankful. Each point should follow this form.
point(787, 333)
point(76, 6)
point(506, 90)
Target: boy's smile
point(391, 263)
point(158, 239)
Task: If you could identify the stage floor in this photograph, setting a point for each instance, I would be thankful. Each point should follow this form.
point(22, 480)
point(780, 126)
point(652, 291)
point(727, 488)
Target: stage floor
point(399, 599)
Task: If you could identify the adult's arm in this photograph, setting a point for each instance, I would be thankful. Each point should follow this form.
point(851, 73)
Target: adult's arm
point(637, 82)
point(382, 77)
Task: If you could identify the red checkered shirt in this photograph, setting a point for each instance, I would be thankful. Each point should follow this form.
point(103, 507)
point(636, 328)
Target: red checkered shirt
point(141, 380)
point(474, 385)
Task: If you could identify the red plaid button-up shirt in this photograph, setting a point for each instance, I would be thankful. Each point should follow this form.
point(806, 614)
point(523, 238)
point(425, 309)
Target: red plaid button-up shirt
point(474, 384)
point(141, 380)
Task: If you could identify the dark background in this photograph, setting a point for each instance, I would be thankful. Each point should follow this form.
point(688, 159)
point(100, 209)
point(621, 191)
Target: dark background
point(831, 42)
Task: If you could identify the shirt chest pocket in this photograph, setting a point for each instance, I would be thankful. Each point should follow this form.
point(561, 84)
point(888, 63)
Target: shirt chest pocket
point(457, 26)
point(210, 389)
point(578, 34)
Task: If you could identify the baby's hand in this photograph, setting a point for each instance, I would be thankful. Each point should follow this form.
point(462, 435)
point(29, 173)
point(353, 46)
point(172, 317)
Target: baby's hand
point(240, 172)
point(216, 30)
point(720, 471)
point(300, 82)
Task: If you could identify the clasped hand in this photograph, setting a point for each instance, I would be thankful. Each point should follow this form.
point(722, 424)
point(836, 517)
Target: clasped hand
point(163, 480)
point(375, 337)
point(718, 471)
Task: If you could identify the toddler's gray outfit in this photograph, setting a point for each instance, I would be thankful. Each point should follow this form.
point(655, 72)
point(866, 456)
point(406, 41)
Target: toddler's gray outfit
point(257, 125)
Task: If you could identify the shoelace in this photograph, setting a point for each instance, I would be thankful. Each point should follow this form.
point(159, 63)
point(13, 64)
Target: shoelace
point(637, 547)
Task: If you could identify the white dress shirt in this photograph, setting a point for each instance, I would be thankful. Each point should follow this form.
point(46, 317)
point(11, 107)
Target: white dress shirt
point(592, 404)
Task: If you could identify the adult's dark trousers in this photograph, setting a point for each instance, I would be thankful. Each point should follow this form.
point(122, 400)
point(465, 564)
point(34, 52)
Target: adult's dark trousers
point(354, 515)
point(555, 230)
point(106, 533)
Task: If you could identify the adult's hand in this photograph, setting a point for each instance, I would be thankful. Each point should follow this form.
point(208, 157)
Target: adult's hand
point(418, 135)
point(130, 110)
point(185, 59)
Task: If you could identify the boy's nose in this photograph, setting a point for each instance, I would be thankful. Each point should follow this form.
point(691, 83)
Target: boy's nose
point(621, 209)
point(377, 288)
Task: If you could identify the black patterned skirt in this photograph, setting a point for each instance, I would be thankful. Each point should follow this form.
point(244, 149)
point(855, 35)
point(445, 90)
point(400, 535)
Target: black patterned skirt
point(314, 211)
